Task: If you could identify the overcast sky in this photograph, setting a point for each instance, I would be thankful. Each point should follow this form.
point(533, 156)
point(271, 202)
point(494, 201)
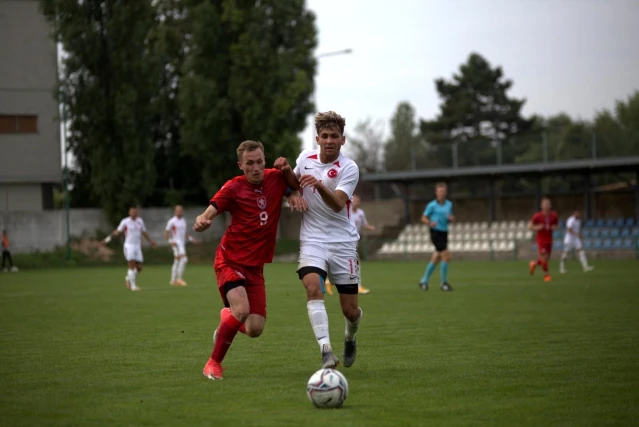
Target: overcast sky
point(573, 56)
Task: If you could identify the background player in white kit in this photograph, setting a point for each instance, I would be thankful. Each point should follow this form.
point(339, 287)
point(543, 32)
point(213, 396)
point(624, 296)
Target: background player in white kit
point(133, 228)
point(328, 239)
point(572, 240)
point(175, 233)
point(358, 218)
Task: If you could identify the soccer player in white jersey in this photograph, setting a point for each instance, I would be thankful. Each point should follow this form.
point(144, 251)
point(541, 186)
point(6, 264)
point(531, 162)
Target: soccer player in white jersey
point(572, 240)
point(358, 218)
point(175, 233)
point(133, 228)
point(328, 238)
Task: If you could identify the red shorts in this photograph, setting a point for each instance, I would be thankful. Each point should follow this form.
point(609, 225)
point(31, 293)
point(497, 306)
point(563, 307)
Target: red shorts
point(253, 278)
point(544, 248)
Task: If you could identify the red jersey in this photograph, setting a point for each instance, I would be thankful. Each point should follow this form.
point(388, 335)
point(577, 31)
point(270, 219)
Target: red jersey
point(545, 234)
point(255, 212)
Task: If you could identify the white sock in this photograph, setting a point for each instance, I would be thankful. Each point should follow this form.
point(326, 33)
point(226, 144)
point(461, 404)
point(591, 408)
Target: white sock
point(582, 258)
point(174, 270)
point(352, 327)
point(319, 321)
point(563, 260)
point(132, 274)
point(181, 267)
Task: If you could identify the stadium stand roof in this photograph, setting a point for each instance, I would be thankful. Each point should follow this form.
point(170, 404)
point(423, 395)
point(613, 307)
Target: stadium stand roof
point(629, 163)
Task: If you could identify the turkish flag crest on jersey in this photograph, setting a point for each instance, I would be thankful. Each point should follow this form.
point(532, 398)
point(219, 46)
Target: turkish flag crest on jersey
point(332, 173)
point(261, 202)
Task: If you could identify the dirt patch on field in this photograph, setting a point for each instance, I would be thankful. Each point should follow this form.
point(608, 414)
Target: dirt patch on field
point(92, 249)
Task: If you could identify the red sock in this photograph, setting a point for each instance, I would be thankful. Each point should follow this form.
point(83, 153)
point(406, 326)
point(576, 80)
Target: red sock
point(226, 312)
point(225, 333)
point(539, 261)
point(544, 266)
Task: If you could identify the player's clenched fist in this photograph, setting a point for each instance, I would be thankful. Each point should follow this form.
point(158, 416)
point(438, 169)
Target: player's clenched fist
point(201, 224)
point(281, 163)
point(308, 181)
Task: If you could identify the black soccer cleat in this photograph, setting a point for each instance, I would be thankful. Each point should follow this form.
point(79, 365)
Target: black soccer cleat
point(350, 352)
point(446, 287)
point(423, 286)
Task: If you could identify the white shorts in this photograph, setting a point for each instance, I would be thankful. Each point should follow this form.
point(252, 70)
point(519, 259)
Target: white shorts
point(178, 249)
point(572, 243)
point(133, 253)
point(339, 260)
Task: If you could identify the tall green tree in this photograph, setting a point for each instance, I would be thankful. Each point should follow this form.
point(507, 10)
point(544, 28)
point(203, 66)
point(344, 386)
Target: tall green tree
point(108, 83)
point(617, 131)
point(476, 114)
point(248, 74)
point(403, 141)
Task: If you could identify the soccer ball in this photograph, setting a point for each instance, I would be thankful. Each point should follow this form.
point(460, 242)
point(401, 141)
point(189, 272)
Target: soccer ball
point(327, 388)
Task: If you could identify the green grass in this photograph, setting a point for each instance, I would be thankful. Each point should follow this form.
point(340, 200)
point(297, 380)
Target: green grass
point(77, 349)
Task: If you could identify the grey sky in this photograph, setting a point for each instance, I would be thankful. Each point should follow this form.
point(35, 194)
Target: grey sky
point(573, 56)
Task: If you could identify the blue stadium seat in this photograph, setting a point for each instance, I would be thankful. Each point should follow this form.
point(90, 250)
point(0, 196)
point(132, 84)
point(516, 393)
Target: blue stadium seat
point(635, 232)
point(590, 223)
point(605, 233)
point(630, 222)
point(600, 223)
point(556, 234)
point(596, 244)
point(625, 232)
point(614, 232)
point(628, 244)
point(617, 243)
point(619, 223)
point(588, 244)
point(586, 233)
point(562, 224)
point(607, 244)
point(610, 222)
point(594, 233)
point(557, 245)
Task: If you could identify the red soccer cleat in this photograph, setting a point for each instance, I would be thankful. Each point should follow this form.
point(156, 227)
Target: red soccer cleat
point(532, 265)
point(213, 370)
point(547, 278)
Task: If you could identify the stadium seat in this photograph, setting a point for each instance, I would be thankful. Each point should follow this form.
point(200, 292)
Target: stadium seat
point(557, 245)
point(483, 225)
point(607, 244)
point(610, 223)
point(510, 235)
point(588, 244)
point(590, 223)
point(523, 225)
point(614, 232)
point(510, 246)
point(594, 233)
point(605, 233)
point(562, 224)
point(556, 234)
point(617, 243)
point(625, 232)
point(634, 232)
point(596, 244)
point(586, 233)
point(600, 223)
point(467, 247)
point(412, 248)
point(619, 222)
point(630, 222)
point(484, 246)
point(628, 244)
point(520, 235)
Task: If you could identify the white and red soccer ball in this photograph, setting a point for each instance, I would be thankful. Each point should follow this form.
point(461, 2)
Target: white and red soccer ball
point(327, 388)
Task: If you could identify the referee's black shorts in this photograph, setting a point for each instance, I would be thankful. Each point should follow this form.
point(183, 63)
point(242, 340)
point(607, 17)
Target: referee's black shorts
point(439, 239)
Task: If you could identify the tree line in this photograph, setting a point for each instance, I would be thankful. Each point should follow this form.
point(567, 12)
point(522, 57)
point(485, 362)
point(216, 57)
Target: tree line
point(480, 124)
point(159, 93)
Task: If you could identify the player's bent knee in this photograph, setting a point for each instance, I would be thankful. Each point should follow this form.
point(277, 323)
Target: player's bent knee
point(254, 325)
point(312, 279)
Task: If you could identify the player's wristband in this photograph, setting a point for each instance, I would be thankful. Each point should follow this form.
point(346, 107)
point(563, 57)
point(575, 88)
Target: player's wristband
point(108, 239)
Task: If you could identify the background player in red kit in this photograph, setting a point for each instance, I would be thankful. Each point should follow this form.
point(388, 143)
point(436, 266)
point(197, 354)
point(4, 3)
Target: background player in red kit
point(254, 201)
point(544, 223)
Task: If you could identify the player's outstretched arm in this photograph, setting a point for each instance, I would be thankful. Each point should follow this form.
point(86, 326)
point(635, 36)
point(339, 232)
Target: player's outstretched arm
point(107, 239)
point(203, 222)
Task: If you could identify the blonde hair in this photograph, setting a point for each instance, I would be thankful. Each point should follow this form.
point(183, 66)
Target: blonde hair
point(329, 119)
point(248, 146)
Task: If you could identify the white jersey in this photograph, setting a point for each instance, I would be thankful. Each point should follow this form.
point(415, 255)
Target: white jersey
point(177, 227)
point(574, 225)
point(132, 229)
point(358, 218)
point(320, 223)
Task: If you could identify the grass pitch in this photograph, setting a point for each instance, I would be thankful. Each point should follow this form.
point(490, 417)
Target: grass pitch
point(78, 349)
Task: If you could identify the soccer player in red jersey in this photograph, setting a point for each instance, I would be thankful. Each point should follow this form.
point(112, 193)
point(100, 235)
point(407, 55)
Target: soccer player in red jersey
point(544, 223)
point(254, 201)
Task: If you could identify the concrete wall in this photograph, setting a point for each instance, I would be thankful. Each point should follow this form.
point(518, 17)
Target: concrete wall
point(44, 231)
point(28, 74)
